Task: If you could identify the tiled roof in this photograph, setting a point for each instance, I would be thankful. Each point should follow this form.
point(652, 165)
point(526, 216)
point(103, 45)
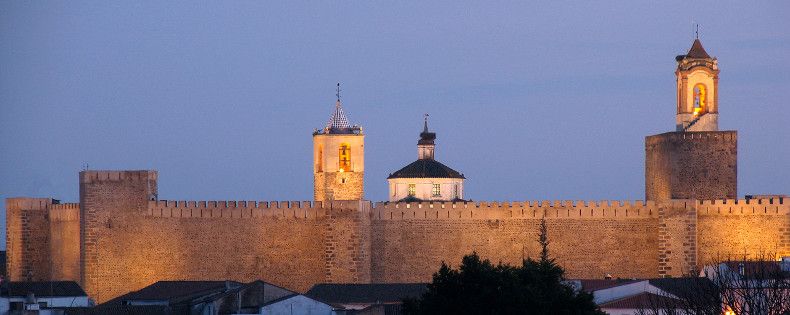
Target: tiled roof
point(697, 51)
point(176, 291)
point(338, 120)
point(426, 168)
point(684, 287)
point(331, 293)
point(43, 288)
point(590, 285)
point(756, 269)
point(120, 310)
point(642, 300)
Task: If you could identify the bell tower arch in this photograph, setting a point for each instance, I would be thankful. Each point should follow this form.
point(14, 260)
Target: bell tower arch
point(697, 77)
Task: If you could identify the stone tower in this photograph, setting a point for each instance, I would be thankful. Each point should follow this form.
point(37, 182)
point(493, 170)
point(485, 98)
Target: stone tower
point(697, 77)
point(697, 161)
point(338, 159)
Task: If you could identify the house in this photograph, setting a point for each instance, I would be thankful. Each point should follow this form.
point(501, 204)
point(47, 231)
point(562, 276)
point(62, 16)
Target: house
point(195, 298)
point(629, 296)
point(44, 297)
point(347, 299)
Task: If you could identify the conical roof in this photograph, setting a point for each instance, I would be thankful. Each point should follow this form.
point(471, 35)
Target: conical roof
point(697, 51)
point(338, 120)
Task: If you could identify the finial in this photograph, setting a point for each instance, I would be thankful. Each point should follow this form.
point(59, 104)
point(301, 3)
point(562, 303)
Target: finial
point(425, 129)
point(338, 92)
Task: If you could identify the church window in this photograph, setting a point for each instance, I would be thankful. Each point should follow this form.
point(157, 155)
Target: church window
point(700, 98)
point(455, 191)
point(412, 190)
point(437, 190)
point(345, 158)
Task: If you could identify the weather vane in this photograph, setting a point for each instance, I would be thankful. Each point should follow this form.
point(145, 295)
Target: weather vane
point(697, 31)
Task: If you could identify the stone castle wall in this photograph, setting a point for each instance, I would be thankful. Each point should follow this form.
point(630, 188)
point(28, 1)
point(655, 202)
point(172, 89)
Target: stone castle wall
point(27, 239)
point(338, 186)
point(691, 165)
point(64, 241)
point(129, 240)
point(590, 239)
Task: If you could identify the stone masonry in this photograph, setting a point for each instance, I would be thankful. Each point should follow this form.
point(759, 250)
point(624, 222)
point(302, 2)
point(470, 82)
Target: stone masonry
point(129, 239)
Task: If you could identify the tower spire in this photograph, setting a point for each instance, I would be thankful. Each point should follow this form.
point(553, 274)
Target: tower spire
point(425, 128)
point(338, 93)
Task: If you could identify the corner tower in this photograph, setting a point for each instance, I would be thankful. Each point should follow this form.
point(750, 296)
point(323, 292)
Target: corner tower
point(697, 161)
point(338, 158)
point(697, 78)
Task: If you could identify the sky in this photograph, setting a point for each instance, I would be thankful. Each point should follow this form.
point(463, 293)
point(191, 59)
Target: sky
point(530, 102)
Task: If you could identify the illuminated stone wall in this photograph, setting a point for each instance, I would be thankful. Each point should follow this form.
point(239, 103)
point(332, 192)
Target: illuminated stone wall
point(691, 165)
point(129, 241)
point(589, 239)
point(27, 239)
point(64, 245)
point(735, 228)
point(338, 186)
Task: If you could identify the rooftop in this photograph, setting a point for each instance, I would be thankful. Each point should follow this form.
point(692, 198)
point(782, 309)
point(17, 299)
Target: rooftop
point(43, 288)
point(426, 168)
point(332, 293)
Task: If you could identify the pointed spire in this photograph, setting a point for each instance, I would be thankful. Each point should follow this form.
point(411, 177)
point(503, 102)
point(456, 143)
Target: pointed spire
point(697, 51)
point(338, 120)
point(425, 129)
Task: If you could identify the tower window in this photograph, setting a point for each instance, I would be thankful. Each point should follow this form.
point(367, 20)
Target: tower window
point(345, 158)
point(437, 190)
point(455, 191)
point(700, 99)
point(412, 190)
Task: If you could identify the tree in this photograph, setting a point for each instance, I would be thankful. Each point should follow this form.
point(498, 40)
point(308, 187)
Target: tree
point(480, 287)
point(741, 286)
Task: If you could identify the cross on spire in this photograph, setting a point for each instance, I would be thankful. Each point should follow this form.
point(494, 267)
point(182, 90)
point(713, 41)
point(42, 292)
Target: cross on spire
point(425, 129)
point(696, 33)
point(338, 92)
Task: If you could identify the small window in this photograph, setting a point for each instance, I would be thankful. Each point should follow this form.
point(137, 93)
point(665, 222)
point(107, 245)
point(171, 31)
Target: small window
point(412, 190)
point(455, 191)
point(437, 190)
point(345, 157)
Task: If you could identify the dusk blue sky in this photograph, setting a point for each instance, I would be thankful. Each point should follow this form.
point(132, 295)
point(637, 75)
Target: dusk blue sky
point(530, 101)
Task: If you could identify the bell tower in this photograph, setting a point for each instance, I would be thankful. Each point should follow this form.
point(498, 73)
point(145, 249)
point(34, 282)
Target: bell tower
point(338, 158)
point(696, 161)
point(697, 77)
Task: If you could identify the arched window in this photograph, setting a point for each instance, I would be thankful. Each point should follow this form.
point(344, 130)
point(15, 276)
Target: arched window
point(700, 99)
point(345, 158)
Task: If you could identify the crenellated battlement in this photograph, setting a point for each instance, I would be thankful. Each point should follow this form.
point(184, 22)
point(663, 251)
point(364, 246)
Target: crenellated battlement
point(250, 209)
point(525, 209)
point(116, 176)
point(674, 137)
point(772, 206)
point(23, 203)
point(64, 212)
point(591, 209)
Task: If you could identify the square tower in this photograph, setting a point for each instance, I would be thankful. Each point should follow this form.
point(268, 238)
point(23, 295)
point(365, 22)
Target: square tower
point(338, 159)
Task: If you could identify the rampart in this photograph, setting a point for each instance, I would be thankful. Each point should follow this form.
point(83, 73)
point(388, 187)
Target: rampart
point(130, 239)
